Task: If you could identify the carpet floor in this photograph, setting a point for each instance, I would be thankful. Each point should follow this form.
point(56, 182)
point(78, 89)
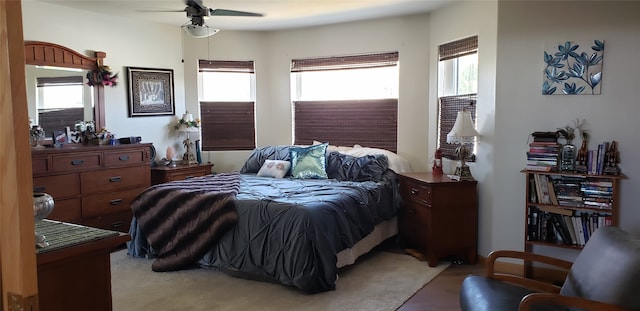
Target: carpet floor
point(378, 281)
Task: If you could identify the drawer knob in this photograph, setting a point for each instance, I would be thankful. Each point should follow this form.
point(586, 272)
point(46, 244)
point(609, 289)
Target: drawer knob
point(77, 162)
point(414, 191)
point(187, 177)
point(124, 158)
point(115, 201)
point(115, 179)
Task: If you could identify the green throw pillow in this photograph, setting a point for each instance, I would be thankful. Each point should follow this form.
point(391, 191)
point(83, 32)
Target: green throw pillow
point(308, 162)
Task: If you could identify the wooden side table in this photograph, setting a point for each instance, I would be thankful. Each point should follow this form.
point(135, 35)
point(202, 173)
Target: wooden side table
point(163, 174)
point(439, 216)
point(74, 271)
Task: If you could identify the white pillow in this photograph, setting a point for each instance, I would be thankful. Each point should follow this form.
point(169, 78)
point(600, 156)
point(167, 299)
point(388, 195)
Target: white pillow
point(396, 163)
point(274, 168)
point(331, 148)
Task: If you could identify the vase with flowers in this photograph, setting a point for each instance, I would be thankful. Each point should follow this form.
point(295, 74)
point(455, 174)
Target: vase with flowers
point(568, 155)
point(36, 136)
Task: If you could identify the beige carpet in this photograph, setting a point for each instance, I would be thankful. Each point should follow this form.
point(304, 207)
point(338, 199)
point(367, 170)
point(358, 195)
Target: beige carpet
point(378, 281)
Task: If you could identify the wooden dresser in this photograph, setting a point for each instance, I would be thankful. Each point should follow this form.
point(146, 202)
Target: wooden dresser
point(93, 185)
point(439, 216)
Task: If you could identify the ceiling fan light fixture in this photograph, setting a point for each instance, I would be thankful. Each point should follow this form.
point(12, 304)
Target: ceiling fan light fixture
point(198, 31)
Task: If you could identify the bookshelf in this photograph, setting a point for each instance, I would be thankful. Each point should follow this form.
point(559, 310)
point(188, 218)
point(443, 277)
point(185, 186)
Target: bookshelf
point(564, 208)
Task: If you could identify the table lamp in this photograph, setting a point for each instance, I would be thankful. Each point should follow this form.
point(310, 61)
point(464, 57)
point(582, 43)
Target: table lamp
point(186, 126)
point(463, 132)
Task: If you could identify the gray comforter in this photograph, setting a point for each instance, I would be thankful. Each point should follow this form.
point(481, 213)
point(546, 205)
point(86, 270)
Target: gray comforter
point(290, 230)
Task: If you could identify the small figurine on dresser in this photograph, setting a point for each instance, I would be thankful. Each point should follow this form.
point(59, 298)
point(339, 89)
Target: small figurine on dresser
point(612, 160)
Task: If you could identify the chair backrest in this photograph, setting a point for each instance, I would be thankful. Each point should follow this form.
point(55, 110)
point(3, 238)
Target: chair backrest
point(607, 269)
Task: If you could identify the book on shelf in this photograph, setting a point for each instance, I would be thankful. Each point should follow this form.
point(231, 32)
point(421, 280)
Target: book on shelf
point(540, 136)
point(539, 168)
point(561, 228)
point(572, 233)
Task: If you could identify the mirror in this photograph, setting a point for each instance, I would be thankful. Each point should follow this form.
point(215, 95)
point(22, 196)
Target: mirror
point(58, 74)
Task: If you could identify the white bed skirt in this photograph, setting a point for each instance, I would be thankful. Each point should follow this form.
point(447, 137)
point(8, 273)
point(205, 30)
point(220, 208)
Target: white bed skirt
point(380, 233)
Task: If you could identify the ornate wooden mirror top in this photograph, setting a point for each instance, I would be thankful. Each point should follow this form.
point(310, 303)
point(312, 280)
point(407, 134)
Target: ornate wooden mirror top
point(53, 55)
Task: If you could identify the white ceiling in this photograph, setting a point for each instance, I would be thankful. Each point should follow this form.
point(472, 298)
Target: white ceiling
point(278, 14)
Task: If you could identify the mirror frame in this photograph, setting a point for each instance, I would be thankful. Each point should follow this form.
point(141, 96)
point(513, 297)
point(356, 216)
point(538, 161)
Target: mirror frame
point(50, 54)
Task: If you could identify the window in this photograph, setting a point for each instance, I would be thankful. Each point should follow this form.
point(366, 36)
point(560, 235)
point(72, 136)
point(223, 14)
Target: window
point(227, 105)
point(457, 88)
point(59, 101)
point(337, 99)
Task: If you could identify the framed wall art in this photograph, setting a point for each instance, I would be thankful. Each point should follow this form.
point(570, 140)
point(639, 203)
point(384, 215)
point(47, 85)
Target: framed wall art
point(150, 92)
point(573, 68)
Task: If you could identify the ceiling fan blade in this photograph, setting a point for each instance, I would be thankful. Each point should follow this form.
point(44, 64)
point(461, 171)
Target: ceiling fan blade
point(160, 10)
point(222, 12)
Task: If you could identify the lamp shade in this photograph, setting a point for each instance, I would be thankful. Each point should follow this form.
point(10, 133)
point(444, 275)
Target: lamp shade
point(198, 31)
point(187, 117)
point(463, 130)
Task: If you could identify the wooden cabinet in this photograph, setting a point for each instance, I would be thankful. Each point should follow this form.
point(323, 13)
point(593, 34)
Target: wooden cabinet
point(163, 174)
point(93, 185)
point(439, 216)
point(563, 209)
point(75, 275)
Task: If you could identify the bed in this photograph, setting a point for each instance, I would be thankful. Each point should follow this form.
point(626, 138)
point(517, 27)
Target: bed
point(286, 225)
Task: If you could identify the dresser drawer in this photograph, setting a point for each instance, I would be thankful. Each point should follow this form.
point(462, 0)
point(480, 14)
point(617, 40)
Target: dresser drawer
point(124, 158)
point(114, 179)
point(118, 222)
point(108, 203)
point(76, 162)
point(59, 186)
point(68, 210)
point(415, 191)
point(40, 165)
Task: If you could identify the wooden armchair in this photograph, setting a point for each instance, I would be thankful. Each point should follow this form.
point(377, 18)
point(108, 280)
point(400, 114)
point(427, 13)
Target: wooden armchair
point(604, 276)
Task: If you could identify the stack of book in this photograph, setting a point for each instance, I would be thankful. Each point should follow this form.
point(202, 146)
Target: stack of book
point(544, 152)
point(597, 194)
point(568, 190)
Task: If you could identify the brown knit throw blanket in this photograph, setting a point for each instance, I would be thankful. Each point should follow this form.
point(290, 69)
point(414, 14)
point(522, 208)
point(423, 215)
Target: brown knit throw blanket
point(183, 219)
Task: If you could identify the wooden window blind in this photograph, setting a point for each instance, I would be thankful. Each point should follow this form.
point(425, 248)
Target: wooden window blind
point(345, 62)
point(449, 107)
point(228, 126)
point(369, 123)
point(458, 48)
point(59, 81)
point(225, 66)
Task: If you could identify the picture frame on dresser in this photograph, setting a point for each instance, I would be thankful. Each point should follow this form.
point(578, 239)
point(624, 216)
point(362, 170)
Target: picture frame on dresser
point(150, 92)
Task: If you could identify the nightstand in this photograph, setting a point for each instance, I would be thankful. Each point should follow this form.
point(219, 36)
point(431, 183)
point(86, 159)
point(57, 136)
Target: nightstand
point(439, 216)
point(163, 174)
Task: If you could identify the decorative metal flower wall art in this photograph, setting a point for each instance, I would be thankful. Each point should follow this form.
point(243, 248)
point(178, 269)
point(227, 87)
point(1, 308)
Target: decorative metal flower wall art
point(572, 70)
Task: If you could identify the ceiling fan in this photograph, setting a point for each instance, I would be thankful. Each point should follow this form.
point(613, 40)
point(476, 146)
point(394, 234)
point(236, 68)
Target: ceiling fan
point(197, 12)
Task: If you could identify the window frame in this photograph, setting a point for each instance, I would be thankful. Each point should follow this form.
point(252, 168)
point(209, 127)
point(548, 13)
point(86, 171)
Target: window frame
point(227, 125)
point(449, 105)
point(345, 122)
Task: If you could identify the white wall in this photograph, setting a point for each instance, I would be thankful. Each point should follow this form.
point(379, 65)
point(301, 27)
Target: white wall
point(273, 51)
point(461, 20)
point(127, 43)
point(523, 29)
